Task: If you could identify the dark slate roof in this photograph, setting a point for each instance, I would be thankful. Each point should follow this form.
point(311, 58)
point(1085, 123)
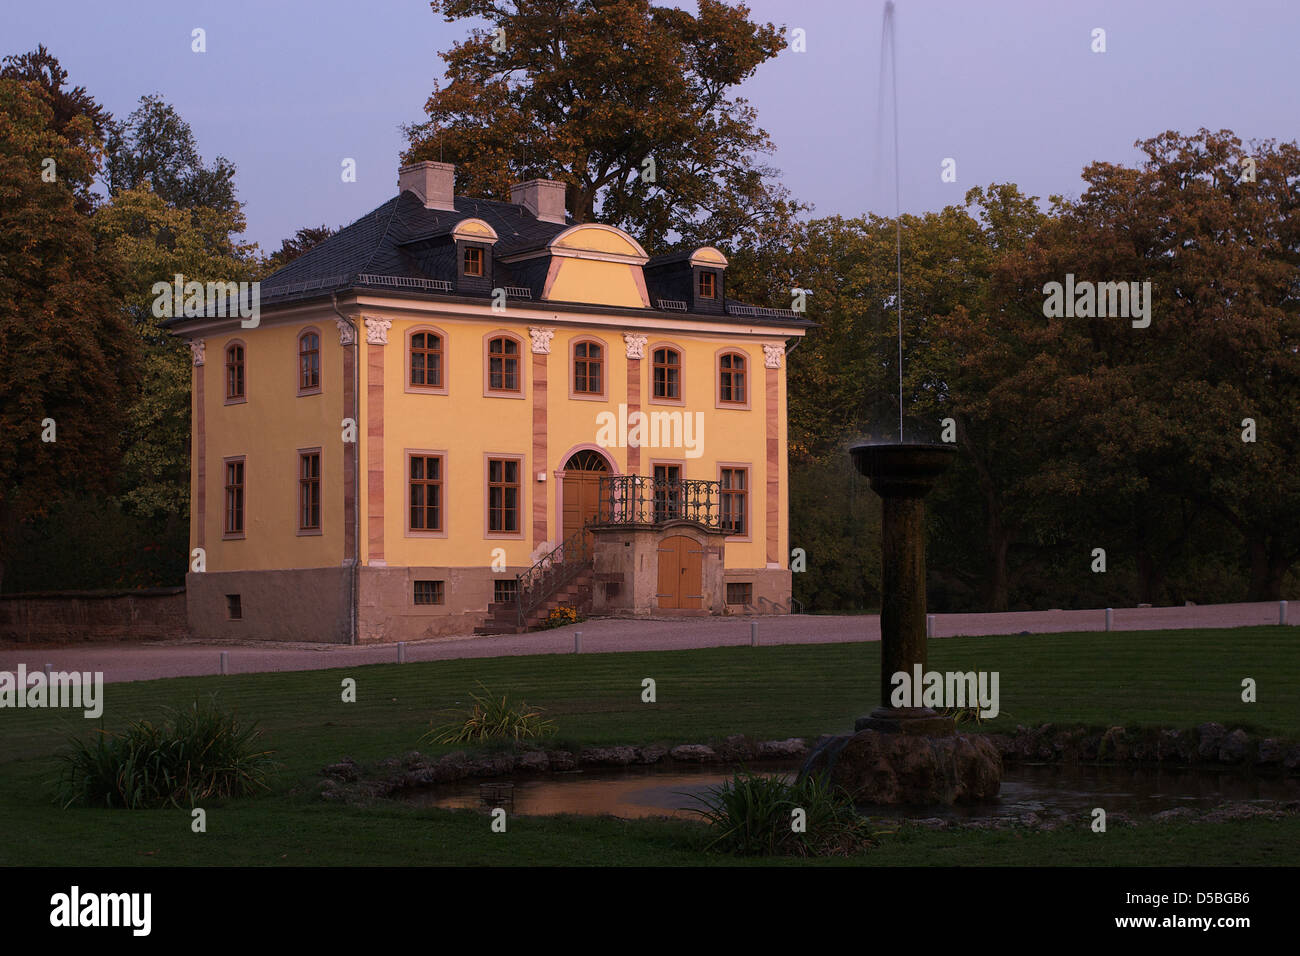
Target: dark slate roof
point(403, 246)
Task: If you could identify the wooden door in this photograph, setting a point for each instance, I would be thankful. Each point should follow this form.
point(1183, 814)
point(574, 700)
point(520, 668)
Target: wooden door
point(582, 474)
point(681, 573)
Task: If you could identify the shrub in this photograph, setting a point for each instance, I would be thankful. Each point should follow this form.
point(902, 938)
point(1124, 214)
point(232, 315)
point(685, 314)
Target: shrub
point(196, 753)
point(492, 718)
point(753, 815)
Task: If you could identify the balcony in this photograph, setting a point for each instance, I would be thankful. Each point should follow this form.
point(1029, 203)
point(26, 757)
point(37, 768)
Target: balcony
point(643, 501)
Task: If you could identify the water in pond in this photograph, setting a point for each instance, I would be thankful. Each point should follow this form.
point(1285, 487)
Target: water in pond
point(1055, 789)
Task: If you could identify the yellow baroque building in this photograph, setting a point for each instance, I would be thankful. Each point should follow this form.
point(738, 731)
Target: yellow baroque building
point(457, 415)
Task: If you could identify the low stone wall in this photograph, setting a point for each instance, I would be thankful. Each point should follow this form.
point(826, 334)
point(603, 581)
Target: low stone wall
point(66, 616)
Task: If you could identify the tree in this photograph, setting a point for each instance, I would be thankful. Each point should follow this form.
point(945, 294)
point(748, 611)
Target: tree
point(290, 249)
point(588, 93)
point(75, 115)
point(156, 146)
point(67, 357)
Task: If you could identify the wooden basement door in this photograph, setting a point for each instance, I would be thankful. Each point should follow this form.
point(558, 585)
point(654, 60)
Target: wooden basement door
point(681, 573)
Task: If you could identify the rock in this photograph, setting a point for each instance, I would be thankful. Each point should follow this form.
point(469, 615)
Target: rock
point(1270, 751)
point(693, 753)
point(1292, 759)
point(497, 766)
point(561, 760)
point(345, 770)
point(534, 761)
point(412, 758)
point(781, 749)
point(1208, 737)
point(1114, 745)
point(1235, 747)
point(884, 768)
point(1005, 744)
point(1170, 816)
point(453, 766)
point(607, 756)
point(651, 754)
point(735, 749)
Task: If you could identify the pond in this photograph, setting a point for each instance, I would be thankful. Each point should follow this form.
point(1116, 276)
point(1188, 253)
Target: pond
point(1026, 788)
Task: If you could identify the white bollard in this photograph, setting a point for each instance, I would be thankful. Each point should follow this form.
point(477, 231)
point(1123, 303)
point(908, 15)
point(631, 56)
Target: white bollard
point(753, 634)
point(225, 663)
point(577, 642)
point(1281, 613)
point(401, 652)
point(1109, 616)
point(929, 625)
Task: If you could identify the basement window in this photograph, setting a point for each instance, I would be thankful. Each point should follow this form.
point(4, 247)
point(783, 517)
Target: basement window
point(234, 611)
point(428, 592)
point(740, 594)
point(503, 591)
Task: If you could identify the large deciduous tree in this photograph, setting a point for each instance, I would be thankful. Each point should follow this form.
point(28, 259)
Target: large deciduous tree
point(67, 358)
point(591, 93)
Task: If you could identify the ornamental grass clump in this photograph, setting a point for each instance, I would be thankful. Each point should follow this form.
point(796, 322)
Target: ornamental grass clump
point(492, 718)
point(195, 753)
point(757, 815)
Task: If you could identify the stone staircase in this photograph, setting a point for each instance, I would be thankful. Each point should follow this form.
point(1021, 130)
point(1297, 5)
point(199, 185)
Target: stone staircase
point(503, 616)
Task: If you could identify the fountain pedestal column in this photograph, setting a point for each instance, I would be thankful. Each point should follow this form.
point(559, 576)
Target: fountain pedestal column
point(902, 475)
point(906, 755)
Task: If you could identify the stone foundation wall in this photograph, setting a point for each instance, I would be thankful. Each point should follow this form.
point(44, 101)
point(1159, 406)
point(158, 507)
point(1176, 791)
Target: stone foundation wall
point(148, 614)
point(304, 604)
point(388, 611)
point(626, 565)
point(770, 591)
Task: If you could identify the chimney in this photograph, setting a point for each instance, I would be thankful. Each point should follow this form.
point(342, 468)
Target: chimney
point(433, 183)
point(543, 198)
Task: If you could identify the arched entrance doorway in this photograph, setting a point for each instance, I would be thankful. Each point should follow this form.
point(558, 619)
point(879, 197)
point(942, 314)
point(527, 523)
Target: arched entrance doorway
point(581, 494)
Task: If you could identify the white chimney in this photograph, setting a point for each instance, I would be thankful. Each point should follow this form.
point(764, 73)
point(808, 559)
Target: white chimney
point(433, 183)
point(543, 198)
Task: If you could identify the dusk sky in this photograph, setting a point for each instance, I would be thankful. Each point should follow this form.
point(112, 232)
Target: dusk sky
point(1010, 90)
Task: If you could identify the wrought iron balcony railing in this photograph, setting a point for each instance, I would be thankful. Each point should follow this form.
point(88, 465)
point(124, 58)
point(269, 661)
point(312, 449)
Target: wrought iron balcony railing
point(644, 500)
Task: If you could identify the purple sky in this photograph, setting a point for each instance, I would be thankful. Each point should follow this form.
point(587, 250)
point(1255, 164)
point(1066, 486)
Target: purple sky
point(1008, 88)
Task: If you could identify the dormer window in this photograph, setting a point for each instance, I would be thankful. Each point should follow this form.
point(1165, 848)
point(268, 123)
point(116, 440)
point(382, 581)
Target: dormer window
point(473, 261)
point(708, 285)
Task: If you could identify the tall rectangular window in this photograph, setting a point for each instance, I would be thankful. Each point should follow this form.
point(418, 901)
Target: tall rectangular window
point(308, 362)
point(503, 365)
point(309, 491)
point(731, 379)
point(587, 367)
point(667, 374)
point(708, 285)
point(668, 492)
point(426, 493)
point(503, 495)
point(735, 489)
point(235, 496)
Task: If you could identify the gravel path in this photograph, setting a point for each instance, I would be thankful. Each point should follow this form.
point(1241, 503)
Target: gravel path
point(149, 661)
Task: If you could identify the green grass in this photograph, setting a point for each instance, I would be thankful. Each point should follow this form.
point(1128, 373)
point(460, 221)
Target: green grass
point(1166, 678)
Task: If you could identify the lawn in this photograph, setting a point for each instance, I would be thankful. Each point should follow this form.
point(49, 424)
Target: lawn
point(1167, 678)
